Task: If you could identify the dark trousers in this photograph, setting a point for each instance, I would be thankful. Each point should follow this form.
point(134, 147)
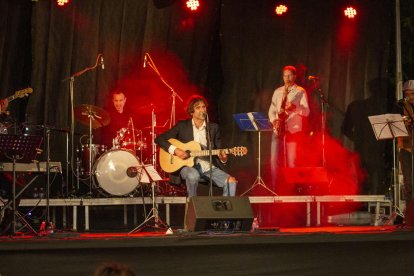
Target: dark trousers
point(405, 160)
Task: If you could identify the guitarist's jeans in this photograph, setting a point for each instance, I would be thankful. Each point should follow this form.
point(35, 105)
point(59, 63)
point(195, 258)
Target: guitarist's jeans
point(192, 176)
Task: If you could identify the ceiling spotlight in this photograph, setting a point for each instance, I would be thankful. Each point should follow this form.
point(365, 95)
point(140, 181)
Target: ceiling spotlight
point(281, 9)
point(350, 12)
point(62, 2)
point(193, 4)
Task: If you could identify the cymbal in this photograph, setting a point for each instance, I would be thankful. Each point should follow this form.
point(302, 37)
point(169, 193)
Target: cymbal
point(100, 117)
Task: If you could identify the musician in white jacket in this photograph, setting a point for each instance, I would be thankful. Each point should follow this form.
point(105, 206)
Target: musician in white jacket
point(287, 112)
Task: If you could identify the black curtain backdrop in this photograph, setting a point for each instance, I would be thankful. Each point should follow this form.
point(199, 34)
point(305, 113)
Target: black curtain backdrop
point(15, 50)
point(231, 51)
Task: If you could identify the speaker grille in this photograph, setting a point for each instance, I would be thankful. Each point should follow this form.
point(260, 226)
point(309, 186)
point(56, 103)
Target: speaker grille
point(206, 213)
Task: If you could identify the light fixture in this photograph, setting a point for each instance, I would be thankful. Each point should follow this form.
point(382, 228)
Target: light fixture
point(281, 9)
point(62, 2)
point(193, 5)
point(350, 12)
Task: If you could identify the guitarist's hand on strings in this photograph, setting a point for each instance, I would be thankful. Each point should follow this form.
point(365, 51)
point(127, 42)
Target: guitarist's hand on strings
point(222, 156)
point(182, 154)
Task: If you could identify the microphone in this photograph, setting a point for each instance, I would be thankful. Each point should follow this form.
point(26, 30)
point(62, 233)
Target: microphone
point(102, 62)
point(402, 100)
point(313, 78)
point(145, 61)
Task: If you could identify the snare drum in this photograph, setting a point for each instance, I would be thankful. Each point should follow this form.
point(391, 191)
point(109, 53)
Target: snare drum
point(112, 171)
point(83, 156)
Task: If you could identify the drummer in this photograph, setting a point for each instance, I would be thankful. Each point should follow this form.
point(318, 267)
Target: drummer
point(120, 117)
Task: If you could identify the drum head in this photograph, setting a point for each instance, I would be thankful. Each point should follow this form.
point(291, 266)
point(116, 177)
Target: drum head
point(111, 172)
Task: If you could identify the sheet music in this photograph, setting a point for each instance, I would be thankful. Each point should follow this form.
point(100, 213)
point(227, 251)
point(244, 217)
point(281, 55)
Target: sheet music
point(388, 126)
point(253, 121)
point(153, 174)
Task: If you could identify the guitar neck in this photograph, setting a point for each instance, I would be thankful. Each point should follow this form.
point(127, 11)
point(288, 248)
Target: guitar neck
point(11, 98)
point(199, 153)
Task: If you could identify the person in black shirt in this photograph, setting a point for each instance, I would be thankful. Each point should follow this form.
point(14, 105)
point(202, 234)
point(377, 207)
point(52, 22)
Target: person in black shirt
point(120, 118)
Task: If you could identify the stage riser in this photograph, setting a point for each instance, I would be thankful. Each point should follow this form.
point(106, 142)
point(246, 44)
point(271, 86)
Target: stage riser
point(78, 213)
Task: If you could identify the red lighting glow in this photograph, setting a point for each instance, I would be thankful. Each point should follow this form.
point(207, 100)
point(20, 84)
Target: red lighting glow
point(62, 2)
point(193, 4)
point(281, 9)
point(350, 12)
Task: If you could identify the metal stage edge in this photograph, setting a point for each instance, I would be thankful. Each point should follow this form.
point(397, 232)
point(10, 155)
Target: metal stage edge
point(377, 200)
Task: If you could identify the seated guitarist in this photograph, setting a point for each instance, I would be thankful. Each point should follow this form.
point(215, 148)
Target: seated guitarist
point(195, 129)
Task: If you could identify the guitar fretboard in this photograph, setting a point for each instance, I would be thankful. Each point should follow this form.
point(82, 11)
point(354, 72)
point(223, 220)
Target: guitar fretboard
point(198, 153)
point(11, 98)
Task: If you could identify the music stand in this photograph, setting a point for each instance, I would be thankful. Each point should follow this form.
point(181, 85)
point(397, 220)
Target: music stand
point(22, 148)
point(148, 174)
point(256, 122)
point(389, 126)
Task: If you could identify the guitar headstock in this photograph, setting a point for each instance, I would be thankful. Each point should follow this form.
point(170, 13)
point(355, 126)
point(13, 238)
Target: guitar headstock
point(238, 151)
point(24, 92)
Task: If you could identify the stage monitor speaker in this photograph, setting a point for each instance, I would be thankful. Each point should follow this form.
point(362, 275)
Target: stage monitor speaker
point(219, 213)
point(307, 180)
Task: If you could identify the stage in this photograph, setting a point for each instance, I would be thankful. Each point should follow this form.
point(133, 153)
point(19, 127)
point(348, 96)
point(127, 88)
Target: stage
point(96, 230)
point(379, 250)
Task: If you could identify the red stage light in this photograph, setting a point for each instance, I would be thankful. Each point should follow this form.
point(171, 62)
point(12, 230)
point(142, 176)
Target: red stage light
point(281, 9)
point(350, 12)
point(62, 2)
point(193, 4)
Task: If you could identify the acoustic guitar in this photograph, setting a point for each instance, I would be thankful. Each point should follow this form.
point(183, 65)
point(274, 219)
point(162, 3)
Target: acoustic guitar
point(172, 163)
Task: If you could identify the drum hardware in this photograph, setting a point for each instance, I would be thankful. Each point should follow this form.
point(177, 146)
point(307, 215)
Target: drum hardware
point(82, 160)
point(94, 117)
point(71, 79)
point(154, 129)
point(130, 138)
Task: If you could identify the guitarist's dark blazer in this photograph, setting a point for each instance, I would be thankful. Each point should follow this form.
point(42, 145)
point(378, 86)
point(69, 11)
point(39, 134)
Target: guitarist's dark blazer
point(183, 131)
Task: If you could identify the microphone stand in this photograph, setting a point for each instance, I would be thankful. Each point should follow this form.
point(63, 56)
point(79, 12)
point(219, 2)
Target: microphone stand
point(173, 93)
point(71, 80)
point(210, 155)
point(324, 104)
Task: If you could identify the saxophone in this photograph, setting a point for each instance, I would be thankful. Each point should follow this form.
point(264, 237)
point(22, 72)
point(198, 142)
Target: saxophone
point(279, 123)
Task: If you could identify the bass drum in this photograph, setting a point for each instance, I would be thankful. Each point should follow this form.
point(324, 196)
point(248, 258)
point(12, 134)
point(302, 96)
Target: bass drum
point(111, 172)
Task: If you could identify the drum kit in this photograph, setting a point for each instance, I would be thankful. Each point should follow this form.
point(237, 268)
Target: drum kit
point(107, 168)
